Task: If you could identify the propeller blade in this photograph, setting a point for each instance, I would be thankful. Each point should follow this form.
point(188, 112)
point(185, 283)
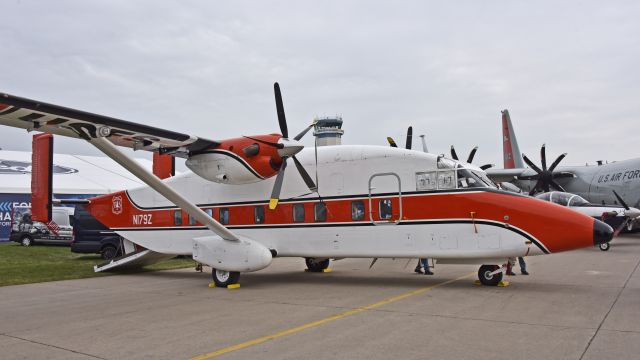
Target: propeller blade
point(391, 142)
point(557, 186)
point(304, 132)
point(624, 204)
point(555, 163)
point(409, 138)
point(282, 120)
point(305, 175)
point(543, 156)
point(277, 186)
point(531, 164)
point(535, 187)
point(275, 145)
point(453, 153)
point(486, 166)
point(472, 154)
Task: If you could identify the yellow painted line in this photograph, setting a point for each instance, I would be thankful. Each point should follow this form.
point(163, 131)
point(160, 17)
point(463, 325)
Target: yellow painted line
point(296, 329)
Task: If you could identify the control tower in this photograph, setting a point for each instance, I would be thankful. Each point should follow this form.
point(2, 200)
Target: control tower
point(328, 131)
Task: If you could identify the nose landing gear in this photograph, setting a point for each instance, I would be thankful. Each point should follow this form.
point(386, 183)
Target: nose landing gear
point(490, 275)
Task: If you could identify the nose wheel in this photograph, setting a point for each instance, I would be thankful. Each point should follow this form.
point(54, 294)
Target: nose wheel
point(223, 278)
point(604, 246)
point(489, 275)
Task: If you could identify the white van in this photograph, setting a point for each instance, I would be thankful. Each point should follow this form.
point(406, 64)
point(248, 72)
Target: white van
point(27, 232)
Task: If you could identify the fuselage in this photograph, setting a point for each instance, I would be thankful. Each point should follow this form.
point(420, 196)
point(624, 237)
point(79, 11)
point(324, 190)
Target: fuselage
point(371, 202)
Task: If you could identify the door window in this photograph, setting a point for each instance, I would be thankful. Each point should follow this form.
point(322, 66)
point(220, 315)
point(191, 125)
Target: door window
point(385, 209)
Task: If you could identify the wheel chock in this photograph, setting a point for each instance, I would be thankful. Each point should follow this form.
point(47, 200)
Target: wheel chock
point(477, 283)
point(233, 286)
point(327, 270)
point(503, 283)
point(212, 285)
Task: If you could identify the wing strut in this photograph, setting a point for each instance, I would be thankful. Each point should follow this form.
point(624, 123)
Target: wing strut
point(155, 183)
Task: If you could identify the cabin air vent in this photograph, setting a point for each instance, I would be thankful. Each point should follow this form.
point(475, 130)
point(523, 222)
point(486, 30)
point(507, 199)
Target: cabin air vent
point(328, 131)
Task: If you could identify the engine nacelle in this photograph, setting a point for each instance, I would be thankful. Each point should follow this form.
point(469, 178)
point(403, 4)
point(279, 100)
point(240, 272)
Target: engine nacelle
point(238, 161)
point(243, 255)
point(223, 167)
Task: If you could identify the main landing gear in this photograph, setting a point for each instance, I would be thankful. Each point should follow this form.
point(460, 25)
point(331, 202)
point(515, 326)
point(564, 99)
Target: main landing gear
point(317, 264)
point(490, 275)
point(223, 278)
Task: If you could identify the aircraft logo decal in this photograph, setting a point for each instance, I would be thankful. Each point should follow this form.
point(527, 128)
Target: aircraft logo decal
point(116, 208)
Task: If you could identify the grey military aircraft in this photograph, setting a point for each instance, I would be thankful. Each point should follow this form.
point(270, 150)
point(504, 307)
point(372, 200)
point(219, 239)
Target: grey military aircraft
point(596, 183)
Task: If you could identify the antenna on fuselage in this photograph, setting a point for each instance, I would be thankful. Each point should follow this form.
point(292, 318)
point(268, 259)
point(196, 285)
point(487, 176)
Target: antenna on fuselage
point(424, 144)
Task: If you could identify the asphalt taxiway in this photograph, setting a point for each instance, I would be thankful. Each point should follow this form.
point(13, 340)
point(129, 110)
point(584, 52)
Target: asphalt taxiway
point(577, 305)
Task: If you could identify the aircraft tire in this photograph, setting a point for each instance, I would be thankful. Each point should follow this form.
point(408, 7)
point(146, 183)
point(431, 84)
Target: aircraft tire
point(604, 247)
point(316, 265)
point(224, 278)
point(485, 278)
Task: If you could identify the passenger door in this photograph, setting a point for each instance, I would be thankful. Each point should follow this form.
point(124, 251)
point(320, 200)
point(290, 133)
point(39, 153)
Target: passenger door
point(385, 199)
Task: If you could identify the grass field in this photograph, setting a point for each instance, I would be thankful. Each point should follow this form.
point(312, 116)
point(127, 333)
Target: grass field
point(24, 265)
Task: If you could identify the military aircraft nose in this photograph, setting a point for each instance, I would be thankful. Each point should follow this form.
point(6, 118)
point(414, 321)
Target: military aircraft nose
point(602, 233)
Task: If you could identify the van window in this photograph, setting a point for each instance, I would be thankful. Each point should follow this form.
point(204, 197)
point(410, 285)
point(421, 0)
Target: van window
point(60, 217)
point(224, 216)
point(258, 214)
point(320, 212)
point(357, 210)
point(177, 217)
point(298, 212)
point(385, 208)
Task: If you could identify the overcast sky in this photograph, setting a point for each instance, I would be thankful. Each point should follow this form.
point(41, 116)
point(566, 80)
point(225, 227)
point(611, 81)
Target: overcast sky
point(567, 71)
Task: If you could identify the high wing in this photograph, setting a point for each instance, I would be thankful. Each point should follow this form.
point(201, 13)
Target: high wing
point(35, 115)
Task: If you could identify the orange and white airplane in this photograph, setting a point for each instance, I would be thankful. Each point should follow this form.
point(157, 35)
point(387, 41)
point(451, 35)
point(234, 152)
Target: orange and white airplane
point(362, 201)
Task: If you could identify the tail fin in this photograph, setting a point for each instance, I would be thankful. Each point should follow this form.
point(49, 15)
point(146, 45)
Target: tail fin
point(41, 177)
point(511, 150)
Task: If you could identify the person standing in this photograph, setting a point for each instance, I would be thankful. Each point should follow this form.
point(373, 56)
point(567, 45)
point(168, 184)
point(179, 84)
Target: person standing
point(423, 264)
point(523, 266)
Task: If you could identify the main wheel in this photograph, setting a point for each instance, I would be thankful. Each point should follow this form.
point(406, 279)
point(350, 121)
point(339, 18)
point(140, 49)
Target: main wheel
point(109, 252)
point(316, 265)
point(26, 241)
point(604, 246)
point(485, 277)
point(224, 278)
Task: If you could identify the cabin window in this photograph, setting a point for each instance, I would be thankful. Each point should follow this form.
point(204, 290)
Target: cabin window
point(177, 217)
point(224, 216)
point(357, 210)
point(426, 181)
point(192, 220)
point(258, 214)
point(209, 212)
point(446, 179)
point(385, 209)
point(298, 212)
point(320, 212)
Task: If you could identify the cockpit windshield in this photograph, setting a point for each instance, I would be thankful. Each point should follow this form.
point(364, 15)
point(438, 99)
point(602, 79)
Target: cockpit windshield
point(451, 175)
point(563, 198)
point(578, 200)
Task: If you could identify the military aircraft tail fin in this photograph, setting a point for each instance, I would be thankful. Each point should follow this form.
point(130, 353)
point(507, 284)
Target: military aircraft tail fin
point(511, 150)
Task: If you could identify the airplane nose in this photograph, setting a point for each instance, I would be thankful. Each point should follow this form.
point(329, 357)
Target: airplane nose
point(602, 233)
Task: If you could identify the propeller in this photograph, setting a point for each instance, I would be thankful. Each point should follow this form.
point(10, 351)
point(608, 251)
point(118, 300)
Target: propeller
point(546, 176)
point(409, 140)
point(630, 214)
point(472, 154)
point(287, 148)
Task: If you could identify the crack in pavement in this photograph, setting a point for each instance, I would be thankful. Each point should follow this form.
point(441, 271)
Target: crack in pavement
point(609, 311)
point(53, 346)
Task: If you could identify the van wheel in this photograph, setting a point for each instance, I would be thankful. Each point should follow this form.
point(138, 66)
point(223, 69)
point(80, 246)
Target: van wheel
point(26, 241)
point(316, 265)
point(223, 278)
point(109, 252)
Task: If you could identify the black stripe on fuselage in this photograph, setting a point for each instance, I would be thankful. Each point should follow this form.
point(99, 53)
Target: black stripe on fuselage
point(337, 197)
point(359, 224)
